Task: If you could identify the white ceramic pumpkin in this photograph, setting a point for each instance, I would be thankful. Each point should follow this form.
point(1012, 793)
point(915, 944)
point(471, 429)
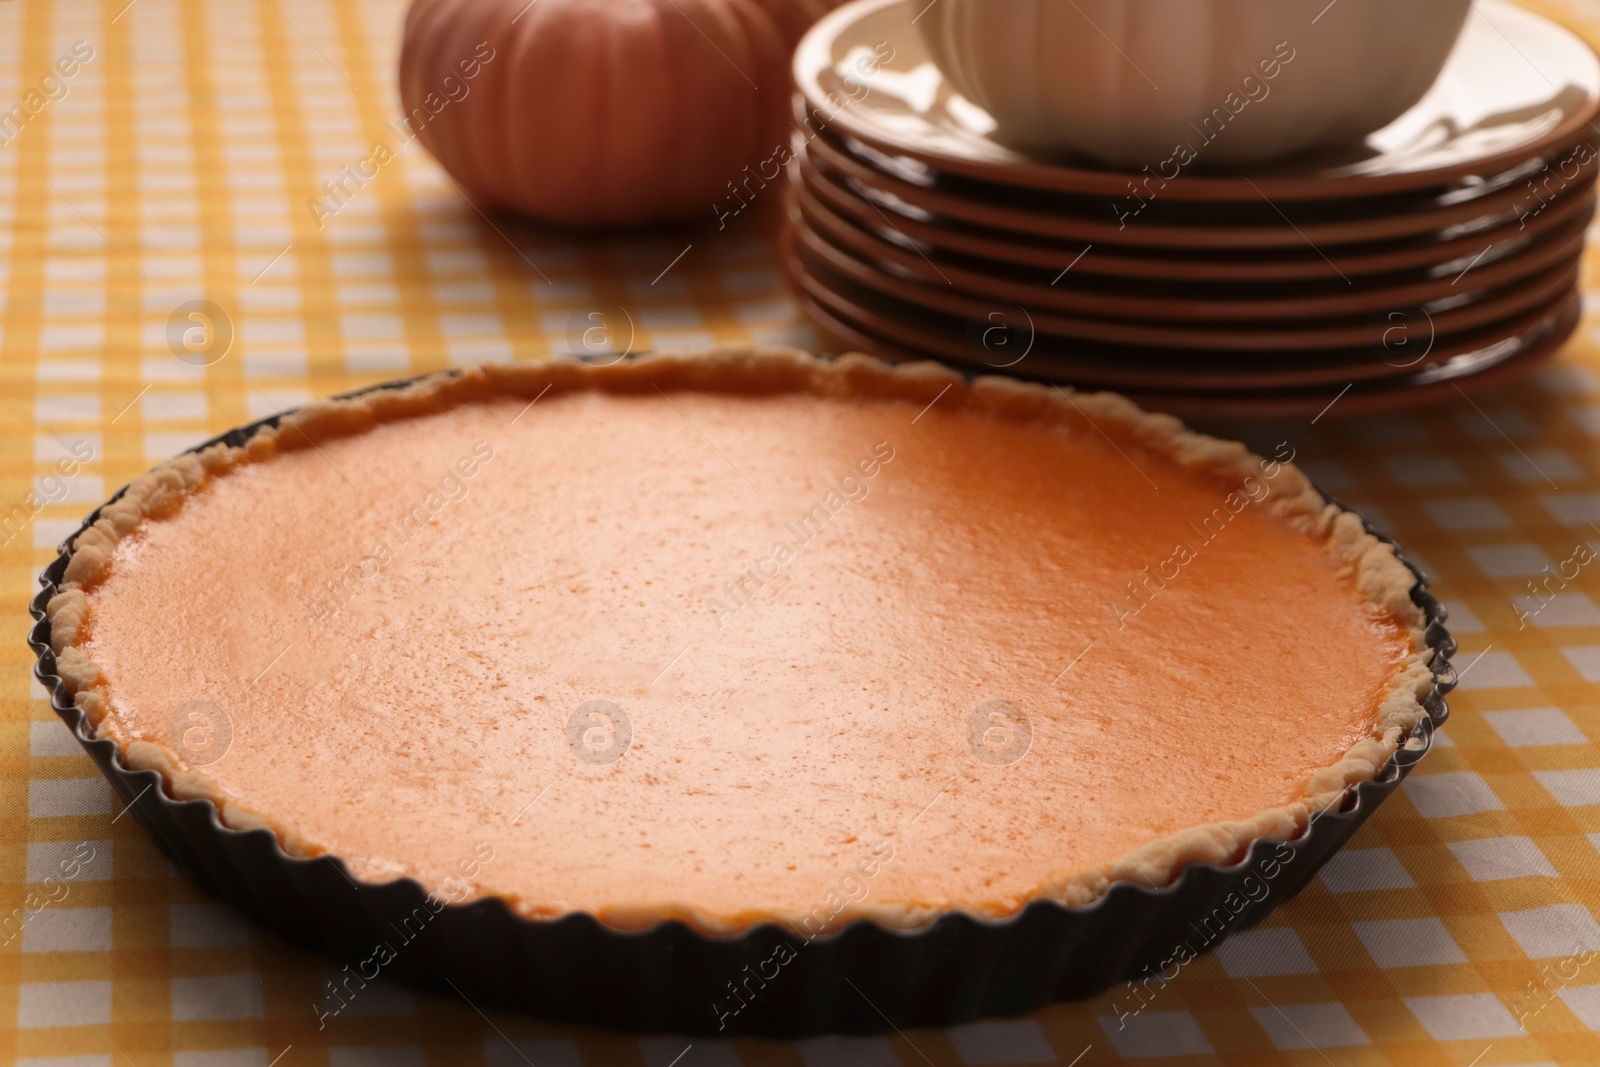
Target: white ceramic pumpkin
point(1238, 81)
point(600, 113)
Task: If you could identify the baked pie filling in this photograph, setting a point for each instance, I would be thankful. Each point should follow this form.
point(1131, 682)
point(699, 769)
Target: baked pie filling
point(744, 636)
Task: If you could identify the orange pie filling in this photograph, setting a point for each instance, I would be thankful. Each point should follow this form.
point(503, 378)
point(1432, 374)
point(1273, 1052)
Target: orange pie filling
point(741, 638)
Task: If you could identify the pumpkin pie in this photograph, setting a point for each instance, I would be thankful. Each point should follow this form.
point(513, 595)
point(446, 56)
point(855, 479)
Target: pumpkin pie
point(743, 636)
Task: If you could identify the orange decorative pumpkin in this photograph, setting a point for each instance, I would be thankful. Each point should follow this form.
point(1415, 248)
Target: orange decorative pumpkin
point(600, 113)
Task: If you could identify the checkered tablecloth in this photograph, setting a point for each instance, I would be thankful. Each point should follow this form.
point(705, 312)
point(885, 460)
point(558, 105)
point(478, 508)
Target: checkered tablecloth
point(178, 161)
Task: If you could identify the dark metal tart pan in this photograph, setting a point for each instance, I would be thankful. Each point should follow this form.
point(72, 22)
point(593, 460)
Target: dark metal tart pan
point(861, 978)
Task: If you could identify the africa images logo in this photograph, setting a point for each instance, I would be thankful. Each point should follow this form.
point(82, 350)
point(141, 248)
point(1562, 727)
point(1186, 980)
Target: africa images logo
point(849, 489)
point(350, 579)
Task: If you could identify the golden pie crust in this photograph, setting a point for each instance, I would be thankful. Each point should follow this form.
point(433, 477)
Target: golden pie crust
point(1370, 565)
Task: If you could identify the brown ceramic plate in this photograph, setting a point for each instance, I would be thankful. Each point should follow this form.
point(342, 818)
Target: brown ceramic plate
point(1152, 206)
point(1491, 364)
point(1149, 187)
point(1467, 310)
point(1172, 224)
point(1086, 294)
point(1006, 341)
point(1518, 87)
point(1446, 252)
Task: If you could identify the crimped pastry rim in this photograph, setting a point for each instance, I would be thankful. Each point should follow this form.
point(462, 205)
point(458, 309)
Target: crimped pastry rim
point(1381, 577)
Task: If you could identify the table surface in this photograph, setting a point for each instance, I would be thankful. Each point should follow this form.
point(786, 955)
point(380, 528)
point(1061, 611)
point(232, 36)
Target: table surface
point(182, 163)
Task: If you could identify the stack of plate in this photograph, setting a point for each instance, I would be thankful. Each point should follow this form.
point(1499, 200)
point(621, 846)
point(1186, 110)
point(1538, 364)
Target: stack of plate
point(1440, 255)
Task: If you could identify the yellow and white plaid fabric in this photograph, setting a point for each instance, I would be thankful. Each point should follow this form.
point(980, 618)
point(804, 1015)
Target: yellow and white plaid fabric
point(161, 152)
